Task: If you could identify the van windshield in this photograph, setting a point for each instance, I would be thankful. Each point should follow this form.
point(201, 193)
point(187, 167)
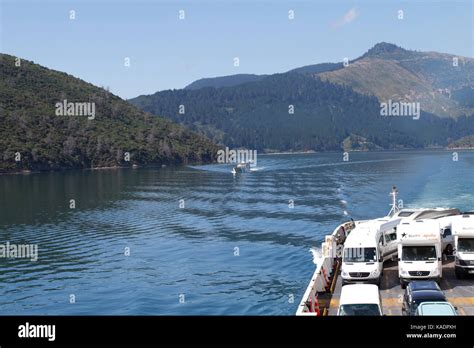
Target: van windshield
point(360, 255)
point(466, 244)
point(359, 309)
point(419, 253)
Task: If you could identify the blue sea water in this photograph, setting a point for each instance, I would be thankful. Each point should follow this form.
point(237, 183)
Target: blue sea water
point(235, 248)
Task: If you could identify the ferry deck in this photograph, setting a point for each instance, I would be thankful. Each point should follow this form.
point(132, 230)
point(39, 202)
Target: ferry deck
point(324, 290)
point(459, 292)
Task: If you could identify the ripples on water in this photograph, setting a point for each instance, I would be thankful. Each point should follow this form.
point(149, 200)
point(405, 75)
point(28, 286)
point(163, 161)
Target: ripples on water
point(191, 251)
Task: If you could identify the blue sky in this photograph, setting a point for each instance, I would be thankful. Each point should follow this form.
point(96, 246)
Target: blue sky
point(166, 52)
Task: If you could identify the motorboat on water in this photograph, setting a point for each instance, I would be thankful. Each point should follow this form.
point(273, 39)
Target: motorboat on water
point(241, 167)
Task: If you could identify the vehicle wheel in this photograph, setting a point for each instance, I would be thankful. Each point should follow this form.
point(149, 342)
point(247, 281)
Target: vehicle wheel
point(403, 284)
point(449, 250)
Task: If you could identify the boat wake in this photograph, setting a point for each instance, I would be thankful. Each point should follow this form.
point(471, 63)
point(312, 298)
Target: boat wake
point(317, 255)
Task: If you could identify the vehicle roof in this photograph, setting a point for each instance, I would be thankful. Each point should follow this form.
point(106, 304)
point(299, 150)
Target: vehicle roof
point(418, 223)
point(437, 213)
point(425, 213)
point(364, 234)
point(428, 295)
point(359, 293)
point(423, 285)
point(463, 225)
point(436, 308)
point(425, 230)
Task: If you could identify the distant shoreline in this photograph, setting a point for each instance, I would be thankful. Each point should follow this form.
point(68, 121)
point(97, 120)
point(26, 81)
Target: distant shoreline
point(32, 171)
point(28, 171)
point(66, 169)
point(292, 152)
point(372, 151)
point(461, 148)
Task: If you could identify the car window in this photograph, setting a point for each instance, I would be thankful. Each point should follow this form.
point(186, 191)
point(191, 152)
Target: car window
point(359, 309)
point(436, 309)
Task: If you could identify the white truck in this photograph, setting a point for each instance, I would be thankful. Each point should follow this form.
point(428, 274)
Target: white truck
point(463, 232)
point(419, 251)
point(366, 248)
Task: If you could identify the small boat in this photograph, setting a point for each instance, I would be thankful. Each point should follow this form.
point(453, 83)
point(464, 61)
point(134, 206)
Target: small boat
point(241, 167)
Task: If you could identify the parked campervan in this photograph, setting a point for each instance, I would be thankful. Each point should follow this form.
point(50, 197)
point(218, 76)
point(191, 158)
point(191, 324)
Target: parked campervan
point(447, 238)
point(419, 251)
point(463, 232)
point(366, 248)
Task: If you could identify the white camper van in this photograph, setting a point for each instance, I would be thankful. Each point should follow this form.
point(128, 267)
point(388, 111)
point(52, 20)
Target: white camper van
point(463, 232)
point(419, 251)
point(366, 248)
point(447, 238)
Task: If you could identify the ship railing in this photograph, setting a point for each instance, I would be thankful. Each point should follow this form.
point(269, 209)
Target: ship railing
point(330, 248)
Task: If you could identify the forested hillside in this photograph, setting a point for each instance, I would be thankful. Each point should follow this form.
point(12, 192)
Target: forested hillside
point(34, 137)
point(256, 115)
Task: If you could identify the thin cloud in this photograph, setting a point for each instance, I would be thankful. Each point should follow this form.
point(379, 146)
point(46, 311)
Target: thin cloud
point(349, 17)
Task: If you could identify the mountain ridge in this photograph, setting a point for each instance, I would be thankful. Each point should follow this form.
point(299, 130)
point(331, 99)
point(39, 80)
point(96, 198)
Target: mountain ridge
point(224, 81)
point(257, 115)
point(416, 76)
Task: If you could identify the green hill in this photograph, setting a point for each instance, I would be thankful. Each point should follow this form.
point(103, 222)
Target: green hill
point(30, 127)
point(224, 81)
point(256, 115)
point(388, 71)
point(358, 143)
point(466, 142)
point(332, 103)
point(430, 78)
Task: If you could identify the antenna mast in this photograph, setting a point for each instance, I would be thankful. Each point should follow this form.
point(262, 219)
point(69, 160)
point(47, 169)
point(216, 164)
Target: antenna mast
point(394, 204)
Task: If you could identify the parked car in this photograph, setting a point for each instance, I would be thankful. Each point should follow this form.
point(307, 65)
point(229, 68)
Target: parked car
point(420, 291)
point(360, 299)
point(436, 308)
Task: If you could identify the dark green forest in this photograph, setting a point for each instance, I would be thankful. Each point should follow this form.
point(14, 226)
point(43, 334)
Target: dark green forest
point(256, 115)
